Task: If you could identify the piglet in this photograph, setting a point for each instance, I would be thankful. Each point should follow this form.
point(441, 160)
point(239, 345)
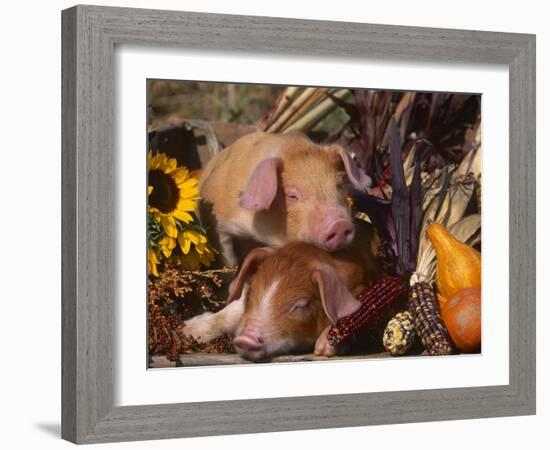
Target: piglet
point(271, 189)
point(284, 300)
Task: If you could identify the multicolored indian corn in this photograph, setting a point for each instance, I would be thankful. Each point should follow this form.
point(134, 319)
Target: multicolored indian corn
point(376, 301)
point(424, 308)
point(399, 334)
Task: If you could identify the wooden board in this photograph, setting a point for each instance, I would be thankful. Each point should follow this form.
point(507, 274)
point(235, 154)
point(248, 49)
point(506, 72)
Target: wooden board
point(214, 359)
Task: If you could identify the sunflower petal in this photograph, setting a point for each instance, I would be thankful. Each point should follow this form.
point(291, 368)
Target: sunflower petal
point(157, 162)
point(187, 183)
point(170, 165)
point(192, 235)
point(185, 244)
point(169, 225)
point(167, 244)
point(152, 262)
point(189, 193)
point(185, 205)
point(180, 175)
point(183, 216)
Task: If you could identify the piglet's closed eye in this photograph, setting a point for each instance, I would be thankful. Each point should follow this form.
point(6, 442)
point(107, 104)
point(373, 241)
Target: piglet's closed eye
point(337, 300)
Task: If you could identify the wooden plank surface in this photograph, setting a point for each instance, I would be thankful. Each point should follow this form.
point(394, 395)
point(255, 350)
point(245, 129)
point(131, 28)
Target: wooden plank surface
point(222, 359)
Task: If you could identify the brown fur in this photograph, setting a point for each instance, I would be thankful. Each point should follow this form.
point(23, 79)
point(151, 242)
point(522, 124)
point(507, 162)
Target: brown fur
point(291, 266)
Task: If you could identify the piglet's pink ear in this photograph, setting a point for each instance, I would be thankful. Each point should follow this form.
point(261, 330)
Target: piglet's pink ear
point(335, 296)
point(248, 267)
point(262, 185)
point(358, 178)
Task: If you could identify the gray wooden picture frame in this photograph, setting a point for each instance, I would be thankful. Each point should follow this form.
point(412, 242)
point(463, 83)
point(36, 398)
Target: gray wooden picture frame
point(90, 34)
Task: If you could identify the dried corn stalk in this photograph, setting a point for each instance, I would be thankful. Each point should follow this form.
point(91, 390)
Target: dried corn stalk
point(311, 102)
point(280, 105)
point(301, 109)
point(291, 109)
point(315, 115)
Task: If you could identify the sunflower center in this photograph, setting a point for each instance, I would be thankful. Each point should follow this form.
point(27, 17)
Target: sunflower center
point(165, 195)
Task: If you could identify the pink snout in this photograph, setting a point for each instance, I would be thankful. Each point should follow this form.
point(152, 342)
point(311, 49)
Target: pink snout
point(338, 234)
point(250, 345)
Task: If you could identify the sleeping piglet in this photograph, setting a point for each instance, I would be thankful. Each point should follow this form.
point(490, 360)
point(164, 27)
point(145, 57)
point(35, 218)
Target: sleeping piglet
point(271, 189)
point(284, 300)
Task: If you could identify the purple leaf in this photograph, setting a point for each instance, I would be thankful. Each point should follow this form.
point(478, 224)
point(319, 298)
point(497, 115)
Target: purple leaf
point(401, 207)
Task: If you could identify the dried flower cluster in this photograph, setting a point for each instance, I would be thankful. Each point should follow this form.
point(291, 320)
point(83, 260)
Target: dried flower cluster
point(175, 296)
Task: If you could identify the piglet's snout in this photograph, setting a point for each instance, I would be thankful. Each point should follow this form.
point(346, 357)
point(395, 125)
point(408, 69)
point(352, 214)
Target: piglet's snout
point(337, 234)
point(250, 345)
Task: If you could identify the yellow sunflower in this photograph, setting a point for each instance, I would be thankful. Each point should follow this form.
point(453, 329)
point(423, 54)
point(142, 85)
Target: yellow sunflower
point(173, 193)
point(172, 197)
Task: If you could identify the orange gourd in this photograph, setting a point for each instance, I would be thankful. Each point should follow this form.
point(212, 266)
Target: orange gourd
point(462, 317)
point(458, 264)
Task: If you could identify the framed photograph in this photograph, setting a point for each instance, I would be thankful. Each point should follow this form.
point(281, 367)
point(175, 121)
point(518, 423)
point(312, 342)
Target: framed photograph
point(268, 230)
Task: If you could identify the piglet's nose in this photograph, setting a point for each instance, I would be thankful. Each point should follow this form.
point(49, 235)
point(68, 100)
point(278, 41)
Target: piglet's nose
point(338, 235)
point(248, 341)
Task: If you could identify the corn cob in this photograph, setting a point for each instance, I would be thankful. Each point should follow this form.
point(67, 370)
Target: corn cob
point(376, 301)
point(424, 308)
point(399, 334)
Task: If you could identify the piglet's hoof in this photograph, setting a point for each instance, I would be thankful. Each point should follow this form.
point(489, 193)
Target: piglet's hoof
point(201, 328)
point(322, 345)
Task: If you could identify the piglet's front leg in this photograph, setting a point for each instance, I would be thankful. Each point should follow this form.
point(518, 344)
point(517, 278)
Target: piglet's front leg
point(208, 326)
point(324, 348)
point(227, 243)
